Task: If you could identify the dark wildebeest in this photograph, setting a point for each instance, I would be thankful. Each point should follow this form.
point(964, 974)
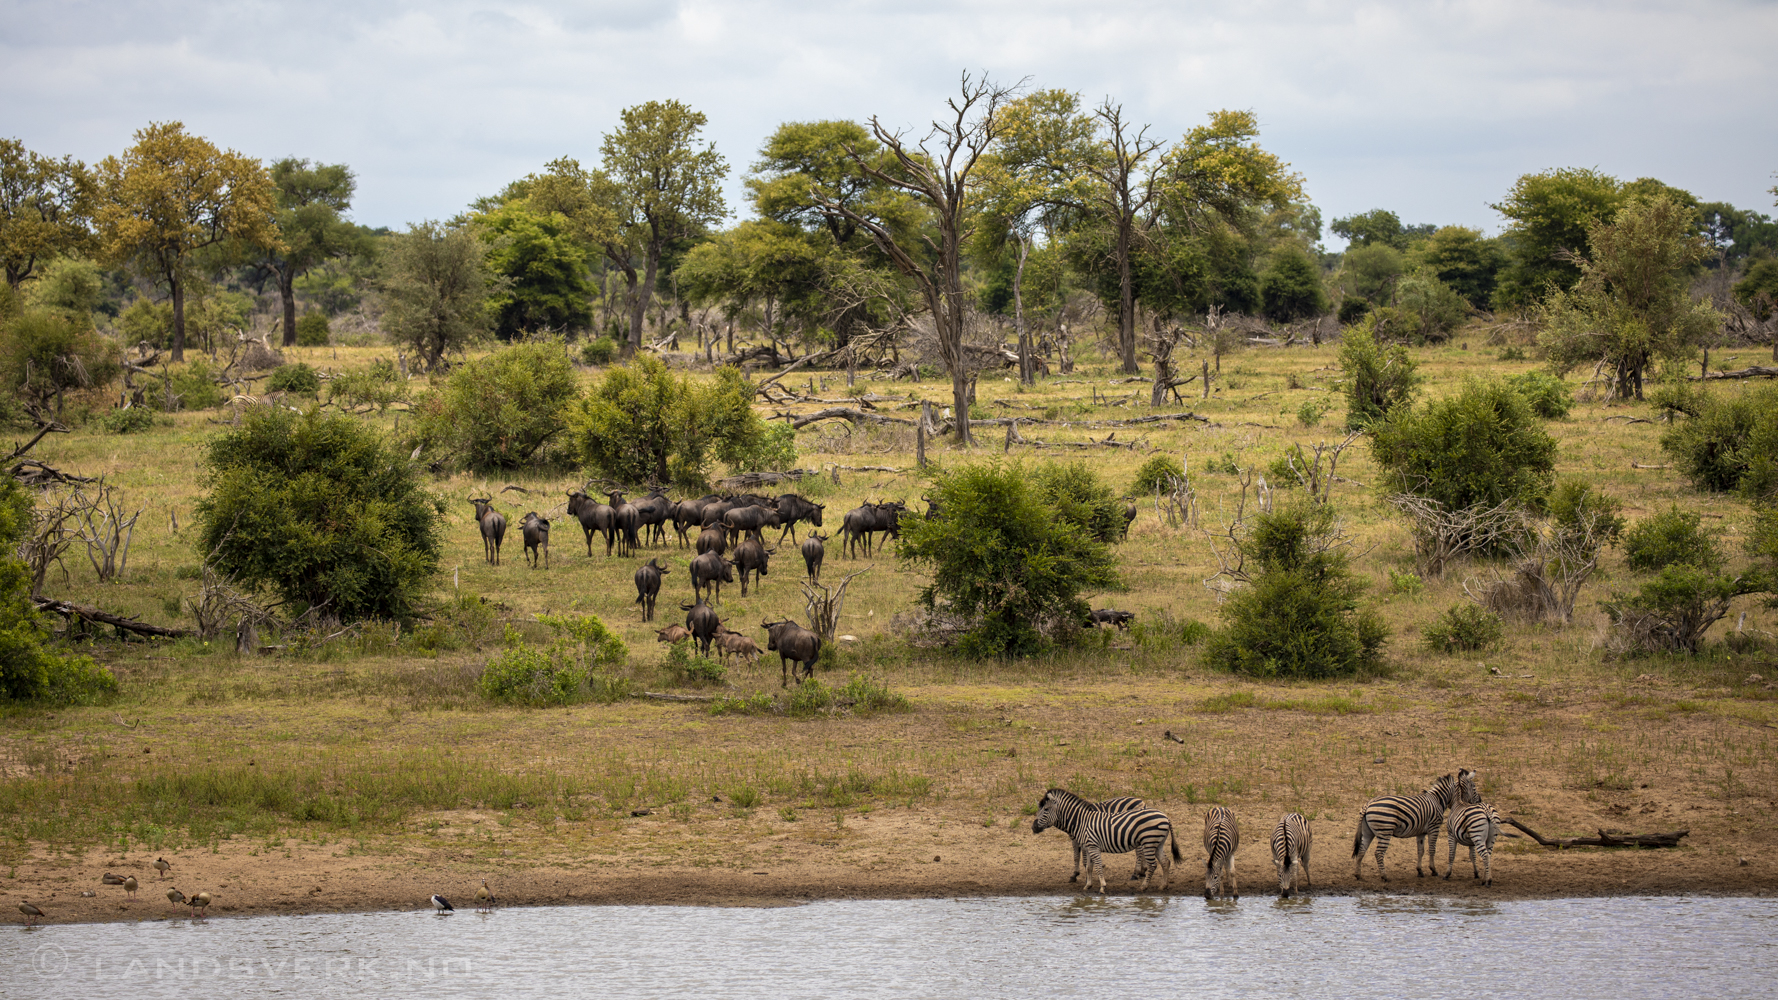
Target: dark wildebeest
point(860, 522)
point(710, 516)
point(1129, 517)
point(652, 513)
point(712, 540)
point(710, 570)
point(813, 552)
point(791, 509)
point(672, 633)
point(624, 520)
point(688, 514)
point(648, 584)
point(593, 516)
point(1111, 616)
point(750, 557)
point(932, 509)
point(749, 520)
point(536, 532)
point(792, 643)
point(701, 622)
point(493, 527)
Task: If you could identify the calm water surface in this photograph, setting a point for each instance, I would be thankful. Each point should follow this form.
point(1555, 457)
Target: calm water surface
point(1368, 946)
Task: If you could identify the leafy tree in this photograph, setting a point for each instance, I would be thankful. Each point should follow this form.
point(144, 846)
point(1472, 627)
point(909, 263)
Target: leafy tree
point(436, 289)
point(1690, 591)
point(760, 259)
point(1434, 307)
point(1378, 380)
point(1462, 258)
point(72, 286)
point(545, 268)
point(1001, 558)
point(667, 187)
point(46, 208)
point(311, 200)
point(1291, 286)
point(1550, 397)
point(1377, 227)
point(1158, 473)
point(1738, 234)
point(1480, 448)
point(499, 411)
point(29, 671)
point(1731, 444)
point(44, 353)
point(1673, 537)
point(172, 195)
point(1758, 288)
point(1080, 498)
point(643, 424)
point(319, 510)
point(1633, 301)
point(1550, 215)
point(1371, 272)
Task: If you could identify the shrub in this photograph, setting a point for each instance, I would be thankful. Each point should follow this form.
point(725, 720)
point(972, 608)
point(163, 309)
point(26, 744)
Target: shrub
point(501, 410)
point(1676, 396)
point(1378, 380)
point(318, 509)
point(643, 424)
point(685, 667)
point(1290, 287)
point(146, 322)
point(1079, 497)
point(298, 378)
point(1004, 561)
point(1672, 612)
point(867, 697)
point(130, 421)
point(1584, 515)
point(774, 450)
point(592, 641)
point(190, 388)
point(1161, 630)
point(808, 698)
point(1758, 287)
point(1352, 309)
point(1732, 444)
point(599, 352)
point(1157, 475)
point(757, 704)
point(1482, 447)
point(1550, 397)
point(1310, 413)
point(1672, 538)
point(1433, 307)
point(44, 353)
point(1463, 627)
point(532, 676)
point(311, 330)
point(379, 385)
point(1407, 584)
point(29, 671)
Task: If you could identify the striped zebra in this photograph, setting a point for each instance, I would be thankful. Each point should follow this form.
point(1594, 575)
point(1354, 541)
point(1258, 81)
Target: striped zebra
point(1069, 809)
point(1417, 816)
point(1291, 840)
point(1474, 827)
point(1142, 831)
point(1222, 838)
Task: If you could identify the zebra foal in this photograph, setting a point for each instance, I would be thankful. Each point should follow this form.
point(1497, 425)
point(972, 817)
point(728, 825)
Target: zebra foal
point(1418, 816)
point(1069, 810)
point(1096, 833)
point(1474, 827)
point(1222, 837)
point(1291, 840)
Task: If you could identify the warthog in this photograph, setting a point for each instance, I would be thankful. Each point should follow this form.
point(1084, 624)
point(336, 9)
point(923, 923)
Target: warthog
point(793, 644)
point(813, 552)
point(1111, 616)
point(701, 622)
point(624, 521)
point(493, 527)
point(791, 509)
point(736, 644)
point(672, 633)
point(648, 585)
point(536, 532)
point(593, 517)
point(750, 558)
point(712, 540)
point(713, 571)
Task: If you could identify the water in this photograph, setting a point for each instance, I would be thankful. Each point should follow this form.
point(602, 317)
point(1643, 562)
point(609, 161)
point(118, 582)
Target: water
point(1345, 946)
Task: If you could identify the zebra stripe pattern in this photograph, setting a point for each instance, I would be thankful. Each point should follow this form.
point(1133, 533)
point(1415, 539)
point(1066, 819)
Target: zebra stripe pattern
point(1417, 816)
point(1468, 792)
point(1071, 807)
point(1144, 832)
point(1474, 827)
point(1291, 840)
point(1222, 837)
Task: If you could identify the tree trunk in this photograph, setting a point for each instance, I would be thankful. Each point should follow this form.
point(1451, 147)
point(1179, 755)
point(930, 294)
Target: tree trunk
point(1126, 304)
point(287, 290)
point(644, 295)
point(178, 288)
point(1027, 375)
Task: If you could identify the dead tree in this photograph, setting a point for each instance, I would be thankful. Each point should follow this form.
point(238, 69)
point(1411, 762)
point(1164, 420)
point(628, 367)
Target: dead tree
point(1309, 471)
point(1442, 535)
point(99, 521)
point(824, 608)
point(1159, 344)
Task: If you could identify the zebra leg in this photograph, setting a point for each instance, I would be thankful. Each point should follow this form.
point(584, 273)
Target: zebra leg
point(1234, 886)
point(1488, 865)
point(1432, 851)
point(1473, 873)
point(1451, 862)
point(1076, 876)
point(1095, 868)
point(1382, 849)
point(1145, 865)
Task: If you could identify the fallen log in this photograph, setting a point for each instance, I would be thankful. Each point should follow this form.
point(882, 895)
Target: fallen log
point(68, 609)
point(662, 696)
point(1604, 839)
point(31, 472)
point(1756, 371)
point(840, 413)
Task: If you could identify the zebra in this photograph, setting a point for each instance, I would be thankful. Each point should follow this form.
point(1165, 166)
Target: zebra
point(1417, 816)
point(1468, 792)
point(1222, 837)
point(1474, 827)
point(1069, 809)
point(1291, 840)
point(1143, 831)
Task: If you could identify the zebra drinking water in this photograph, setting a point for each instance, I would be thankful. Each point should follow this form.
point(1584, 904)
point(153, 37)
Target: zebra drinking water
point(1291, 840)
point(1071, 807)
point(1474, 827)
point(1417, 816)
point(1097, 833)
point(1222, 837)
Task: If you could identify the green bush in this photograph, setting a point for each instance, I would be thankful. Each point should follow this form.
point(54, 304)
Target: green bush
point(1161, 630)
point(29, 671)
point(1003, 559)
point(298, 378)
point(499, 411)
point(192, 387)
point(1407, 584)
point(599, 352)
point(318, 509)
point(1732, 444)
point(1583, 514)
point(1672, 538)
point(1676, 396)
point(1299, 616)
point(1672, 612)
point(146, 322)
point(757, 704)
point(1481, 447)
point(1433, 307)
point(687, 668)
point(1550, 397)
point(1310, 413)
point(1378, 379)
point(591, 639)
point(1157, 475)
point(860, 695)
point(773, 451)
point(1758, 287)
point(311, 330)
point(380, 385)
point(1079, 497)
point(1290, 286)
point(1463, 627)
point(46, 352)
point(643, 424)
point(130, 421)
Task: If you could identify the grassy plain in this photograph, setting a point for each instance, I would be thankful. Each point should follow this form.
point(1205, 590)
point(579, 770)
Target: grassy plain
point(369, 770)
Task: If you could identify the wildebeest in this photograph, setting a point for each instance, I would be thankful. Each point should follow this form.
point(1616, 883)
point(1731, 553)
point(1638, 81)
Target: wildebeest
point(493, 527)
point(753, 519)
point(813, 552)
point(624, 521)
point(1111, 616)
point(792, 643)
point(593, 516)
point(1129, 517)
point(536, 532)
point(672, 633)
point(791, 509)
point(711, 514)
point(860, 522)
point(701, 622)
point(712, 570)
point(712, 540)
point(648, 584)
point(652, 513)
point(688, 514)
point(736, 644)
point(750, 558)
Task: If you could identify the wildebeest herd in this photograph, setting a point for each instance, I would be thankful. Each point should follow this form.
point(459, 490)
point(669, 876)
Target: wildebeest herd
point(1125, 826)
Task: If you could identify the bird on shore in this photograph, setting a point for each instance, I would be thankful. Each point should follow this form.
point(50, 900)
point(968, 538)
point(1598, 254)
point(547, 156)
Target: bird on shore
point(110, 879)
point(163, 866)
point(30, 911)
point(442, 904)
point(484, 898)
point(175, 897)
point(200, 903)
point(129, 886)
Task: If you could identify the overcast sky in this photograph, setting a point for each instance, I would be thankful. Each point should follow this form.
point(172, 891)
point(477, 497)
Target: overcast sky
point(1430, 109)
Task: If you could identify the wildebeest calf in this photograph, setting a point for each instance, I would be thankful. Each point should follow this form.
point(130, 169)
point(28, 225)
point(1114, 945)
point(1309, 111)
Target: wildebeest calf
point(648, 584)
point(536, 532)
point(736, 644)
point(672, 633)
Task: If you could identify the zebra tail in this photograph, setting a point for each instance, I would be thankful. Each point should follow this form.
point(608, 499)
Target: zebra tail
point(1176, 855)
point(1358, 837)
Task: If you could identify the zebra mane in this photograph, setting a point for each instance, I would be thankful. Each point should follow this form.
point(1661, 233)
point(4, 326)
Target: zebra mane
point(1444, 791)
point(1064, 795)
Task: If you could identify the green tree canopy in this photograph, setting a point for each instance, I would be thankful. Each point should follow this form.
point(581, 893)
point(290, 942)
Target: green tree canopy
point(1379, 227)
point(499, 411)
point(1463, 259)
point(436, 288)
point(312, 200)
point(643, 424)
point(1549, 217)
point(545, 268)
point(46, 208)
point(1480, 448)
point(1291, 285)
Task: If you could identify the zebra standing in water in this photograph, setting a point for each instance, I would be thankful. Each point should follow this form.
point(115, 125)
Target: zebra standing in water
point(1474, 827)
point(1145, 832)
point(1417, 816)
point(1291, 840)
point(1071, 807)
point(1222, 837)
